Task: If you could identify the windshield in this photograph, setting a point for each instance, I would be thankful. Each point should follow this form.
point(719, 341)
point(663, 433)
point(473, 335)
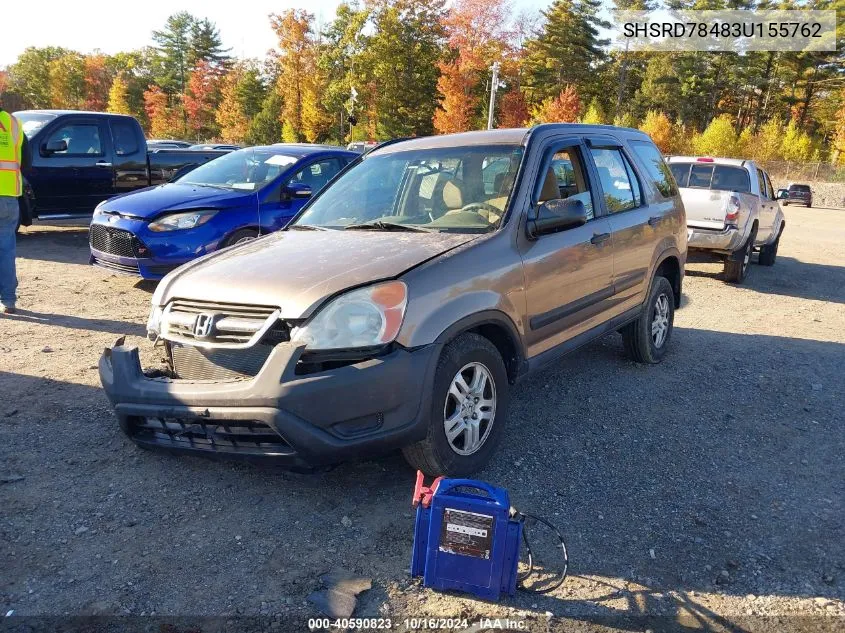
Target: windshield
point(456, 189)
point(710, 176)
point(247, 169)
point(31, 122)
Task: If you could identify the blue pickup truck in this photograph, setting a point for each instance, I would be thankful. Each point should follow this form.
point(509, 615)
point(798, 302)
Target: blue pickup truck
point(227, 201)
point(81, 158)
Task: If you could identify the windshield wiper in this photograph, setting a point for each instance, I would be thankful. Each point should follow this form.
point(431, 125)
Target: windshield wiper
point(380, 225)
point(306, 227)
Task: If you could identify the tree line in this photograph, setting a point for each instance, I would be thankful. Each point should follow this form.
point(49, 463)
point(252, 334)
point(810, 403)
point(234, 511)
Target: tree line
point(399, 68)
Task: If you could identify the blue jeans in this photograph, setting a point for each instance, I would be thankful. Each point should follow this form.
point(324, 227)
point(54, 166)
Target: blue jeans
point(9, 213)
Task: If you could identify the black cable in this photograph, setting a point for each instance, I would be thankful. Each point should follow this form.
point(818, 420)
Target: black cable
point(525, 575)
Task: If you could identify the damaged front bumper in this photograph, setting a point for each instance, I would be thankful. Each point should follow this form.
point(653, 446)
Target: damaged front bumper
point(281, 414)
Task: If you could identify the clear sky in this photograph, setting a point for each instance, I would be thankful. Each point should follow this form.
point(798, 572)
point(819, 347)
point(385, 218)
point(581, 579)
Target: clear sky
point(122, 25)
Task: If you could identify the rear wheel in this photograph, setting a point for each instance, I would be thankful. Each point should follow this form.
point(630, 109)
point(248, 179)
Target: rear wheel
point(468, 409)
point(647, 338)
point(241, 236)
point(737, 265)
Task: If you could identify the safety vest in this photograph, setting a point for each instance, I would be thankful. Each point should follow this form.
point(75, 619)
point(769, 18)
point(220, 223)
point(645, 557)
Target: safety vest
point(11, 151)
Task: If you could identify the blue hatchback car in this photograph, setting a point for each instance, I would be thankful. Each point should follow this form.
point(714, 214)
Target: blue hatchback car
point(232, 199)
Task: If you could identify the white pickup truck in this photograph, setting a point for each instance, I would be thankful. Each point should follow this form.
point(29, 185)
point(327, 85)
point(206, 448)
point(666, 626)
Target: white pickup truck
point(731, 210)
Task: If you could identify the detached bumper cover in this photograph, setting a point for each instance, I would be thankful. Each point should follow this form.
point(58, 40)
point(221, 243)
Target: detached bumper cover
point(725, 240)
point(300, 420)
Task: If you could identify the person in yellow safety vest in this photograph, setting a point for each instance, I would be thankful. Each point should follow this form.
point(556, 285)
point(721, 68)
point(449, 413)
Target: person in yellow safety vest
point(14, 158)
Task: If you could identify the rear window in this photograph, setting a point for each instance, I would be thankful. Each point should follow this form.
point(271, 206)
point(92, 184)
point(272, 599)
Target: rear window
point(710, 176)
point(655, 166)
point(799, 188)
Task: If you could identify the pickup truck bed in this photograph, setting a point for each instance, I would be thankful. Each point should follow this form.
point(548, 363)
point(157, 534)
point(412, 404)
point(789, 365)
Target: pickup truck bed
point(80, 159)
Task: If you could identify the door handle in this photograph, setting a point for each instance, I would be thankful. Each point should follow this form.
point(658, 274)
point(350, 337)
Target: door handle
point(102, 163)
point(598, 238)
point(654, 220)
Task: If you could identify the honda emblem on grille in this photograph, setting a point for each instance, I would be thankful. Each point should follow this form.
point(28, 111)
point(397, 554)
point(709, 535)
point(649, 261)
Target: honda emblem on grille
point(203, 325)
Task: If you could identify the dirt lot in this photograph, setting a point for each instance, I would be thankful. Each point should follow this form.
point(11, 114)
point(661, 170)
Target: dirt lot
point(706, 492)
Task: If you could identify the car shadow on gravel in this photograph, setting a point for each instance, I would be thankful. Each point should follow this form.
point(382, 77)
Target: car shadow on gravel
point(68, 245)
point(717, 472)
point(789, 277)
point(76, 323)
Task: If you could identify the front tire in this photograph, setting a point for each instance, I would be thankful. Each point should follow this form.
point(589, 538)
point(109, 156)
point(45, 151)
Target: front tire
point(769, 253)
point(647, 338)
point(241, 236)
point(468, 409)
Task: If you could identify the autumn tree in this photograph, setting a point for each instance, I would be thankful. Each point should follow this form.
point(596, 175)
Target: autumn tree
point(477, 37)
point(163, 119)
point(594, 114)
point(200, 100)
point(513, 110)
point(29, 76)
point(118, 96)
point(659, 128)
point(718, 139)
point(241, 95)
point(67, 81)
point(98, 82)
point(769, 140)
point(838, 144)
point(294, 28)
point(564, 108)
point(402, 54)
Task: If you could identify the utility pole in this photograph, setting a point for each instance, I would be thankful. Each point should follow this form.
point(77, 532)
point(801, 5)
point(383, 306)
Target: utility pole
point(494, 86)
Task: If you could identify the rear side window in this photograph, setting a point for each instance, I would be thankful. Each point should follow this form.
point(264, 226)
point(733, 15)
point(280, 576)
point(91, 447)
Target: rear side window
point(656, 167)
point(710, 176)
point(125, 138)
point(618, 182)
point(800, 188)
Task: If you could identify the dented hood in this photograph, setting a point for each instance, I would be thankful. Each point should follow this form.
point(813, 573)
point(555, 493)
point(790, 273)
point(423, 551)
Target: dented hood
point(297, 270)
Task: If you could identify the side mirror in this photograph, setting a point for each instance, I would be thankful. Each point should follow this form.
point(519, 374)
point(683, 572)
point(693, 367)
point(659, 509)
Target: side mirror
point(55, 146)
point(556, 215)
point(296, 190)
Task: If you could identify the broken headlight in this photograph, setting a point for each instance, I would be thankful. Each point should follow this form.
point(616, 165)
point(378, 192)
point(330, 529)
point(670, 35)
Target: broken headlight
point(365, 317)
point(154, 323)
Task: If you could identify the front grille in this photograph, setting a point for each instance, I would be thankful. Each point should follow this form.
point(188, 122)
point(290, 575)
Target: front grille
point(222, 323)
point(203, 434)
point(116, 242)
point(127, 269)
point(220, 364)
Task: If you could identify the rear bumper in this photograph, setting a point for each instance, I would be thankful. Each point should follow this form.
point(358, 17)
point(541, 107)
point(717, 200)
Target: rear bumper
point(724, 241)
point(300, 420)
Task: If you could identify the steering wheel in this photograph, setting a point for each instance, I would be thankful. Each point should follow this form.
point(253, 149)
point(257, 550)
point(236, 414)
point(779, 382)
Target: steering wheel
point(481, 206)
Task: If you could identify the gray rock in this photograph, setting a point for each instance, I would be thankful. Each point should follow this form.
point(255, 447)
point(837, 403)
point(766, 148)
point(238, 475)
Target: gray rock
point(334, 604)
point(10, 479)
point(345, 582)
point(80, 530)
point(346, 521)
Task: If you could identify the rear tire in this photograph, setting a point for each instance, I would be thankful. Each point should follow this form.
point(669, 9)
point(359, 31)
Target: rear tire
point(738, 264)
point(647, 338)
point(241, 236)
point(473, 440)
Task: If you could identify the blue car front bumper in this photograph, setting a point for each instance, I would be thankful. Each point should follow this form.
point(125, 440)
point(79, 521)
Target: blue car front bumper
point(127, 246)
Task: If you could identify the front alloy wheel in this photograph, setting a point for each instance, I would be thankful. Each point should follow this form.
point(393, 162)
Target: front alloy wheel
point(465, 416)
point(470, 408)
point(660, 321)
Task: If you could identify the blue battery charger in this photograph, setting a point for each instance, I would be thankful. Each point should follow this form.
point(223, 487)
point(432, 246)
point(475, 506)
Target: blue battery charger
point(465, 538)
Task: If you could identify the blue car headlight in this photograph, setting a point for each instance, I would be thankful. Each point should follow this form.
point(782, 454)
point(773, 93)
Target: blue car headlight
point(180, 221)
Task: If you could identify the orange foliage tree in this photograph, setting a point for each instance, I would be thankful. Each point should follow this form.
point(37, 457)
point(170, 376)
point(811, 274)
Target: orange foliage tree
point(477, 37)
point(658, 126)
point(200, 100)
point(513, 110)
point(98, 82)
point(159, 113)
point(565, 108)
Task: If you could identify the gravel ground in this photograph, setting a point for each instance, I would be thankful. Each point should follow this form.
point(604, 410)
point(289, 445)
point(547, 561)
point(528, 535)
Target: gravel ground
point(706, 492)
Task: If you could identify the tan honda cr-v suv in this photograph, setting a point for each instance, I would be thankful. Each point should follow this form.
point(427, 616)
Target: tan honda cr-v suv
point(404, 301)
